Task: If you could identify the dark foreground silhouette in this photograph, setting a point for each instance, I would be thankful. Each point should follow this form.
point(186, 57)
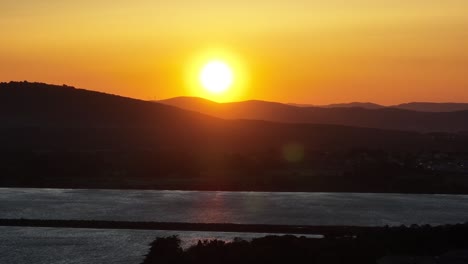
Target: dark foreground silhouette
point(416, 244)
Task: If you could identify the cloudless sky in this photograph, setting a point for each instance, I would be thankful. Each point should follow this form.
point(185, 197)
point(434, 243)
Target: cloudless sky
point(290, 51)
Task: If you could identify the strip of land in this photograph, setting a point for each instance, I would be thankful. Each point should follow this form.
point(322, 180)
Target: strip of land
point(327, 231)
point(178, 226)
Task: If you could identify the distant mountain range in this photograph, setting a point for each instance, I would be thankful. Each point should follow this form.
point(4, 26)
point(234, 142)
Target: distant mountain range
point(353, 104)
point(408, 117)
point(415, 106)
point(433, 107)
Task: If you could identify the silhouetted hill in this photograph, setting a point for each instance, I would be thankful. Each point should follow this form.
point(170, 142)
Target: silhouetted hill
point(383, 118)
point(48, 116)
point(60, 136)
point(355, 104)
point(414, 106)
point(433, 107)
point(62, 116)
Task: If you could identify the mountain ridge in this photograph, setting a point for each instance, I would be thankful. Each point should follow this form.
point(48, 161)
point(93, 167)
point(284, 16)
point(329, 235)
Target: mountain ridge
point(412, 106)
point(384, 118)
point(63, 137)
point(41, 116)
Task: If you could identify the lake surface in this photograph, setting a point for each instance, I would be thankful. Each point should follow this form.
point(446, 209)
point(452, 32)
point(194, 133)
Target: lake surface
point(234, 207)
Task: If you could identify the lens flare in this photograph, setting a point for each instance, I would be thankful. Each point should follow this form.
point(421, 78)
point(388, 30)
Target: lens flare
point(293, 152)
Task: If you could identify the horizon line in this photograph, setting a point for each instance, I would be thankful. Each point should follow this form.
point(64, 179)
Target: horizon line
point(240, 101)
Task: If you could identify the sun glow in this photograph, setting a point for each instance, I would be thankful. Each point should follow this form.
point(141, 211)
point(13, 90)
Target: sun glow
point(216, 76)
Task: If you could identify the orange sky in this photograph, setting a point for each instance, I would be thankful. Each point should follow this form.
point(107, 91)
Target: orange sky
point(306, 51)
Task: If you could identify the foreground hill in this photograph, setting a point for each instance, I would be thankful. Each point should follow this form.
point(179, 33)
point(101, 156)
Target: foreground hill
point(60, 136)
point(361, 115)
point(46, 117)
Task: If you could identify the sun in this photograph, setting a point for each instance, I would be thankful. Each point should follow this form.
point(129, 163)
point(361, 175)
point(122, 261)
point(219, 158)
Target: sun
point(216, 76)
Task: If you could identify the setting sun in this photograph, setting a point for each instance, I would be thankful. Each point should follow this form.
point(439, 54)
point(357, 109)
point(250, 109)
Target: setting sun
point(216, 77)
point(217, 74)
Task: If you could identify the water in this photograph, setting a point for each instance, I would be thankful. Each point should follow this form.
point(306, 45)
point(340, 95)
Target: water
point(234, 207)
point(38, 245)
point(101, 246)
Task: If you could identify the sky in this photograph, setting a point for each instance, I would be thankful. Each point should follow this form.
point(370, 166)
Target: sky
point(300, 51)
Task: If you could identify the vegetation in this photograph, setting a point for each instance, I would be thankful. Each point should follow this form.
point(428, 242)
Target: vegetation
point(362, 248)
point(355, 170)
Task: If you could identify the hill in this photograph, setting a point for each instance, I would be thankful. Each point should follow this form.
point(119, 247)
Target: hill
point(382, 118)
point(414, 106)
point(433, 107)
point(63, 116)
point(355, 104)
point(60, 136)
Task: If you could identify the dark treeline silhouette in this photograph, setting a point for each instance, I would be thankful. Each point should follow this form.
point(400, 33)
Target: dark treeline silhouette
point(60, 136)
point(357, 170)
point(362, 248)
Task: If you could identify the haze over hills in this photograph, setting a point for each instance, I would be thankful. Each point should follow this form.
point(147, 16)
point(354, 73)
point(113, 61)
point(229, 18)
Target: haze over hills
point(366, 105)
point(414, 106)
point(433, 107)
point(348, 114)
